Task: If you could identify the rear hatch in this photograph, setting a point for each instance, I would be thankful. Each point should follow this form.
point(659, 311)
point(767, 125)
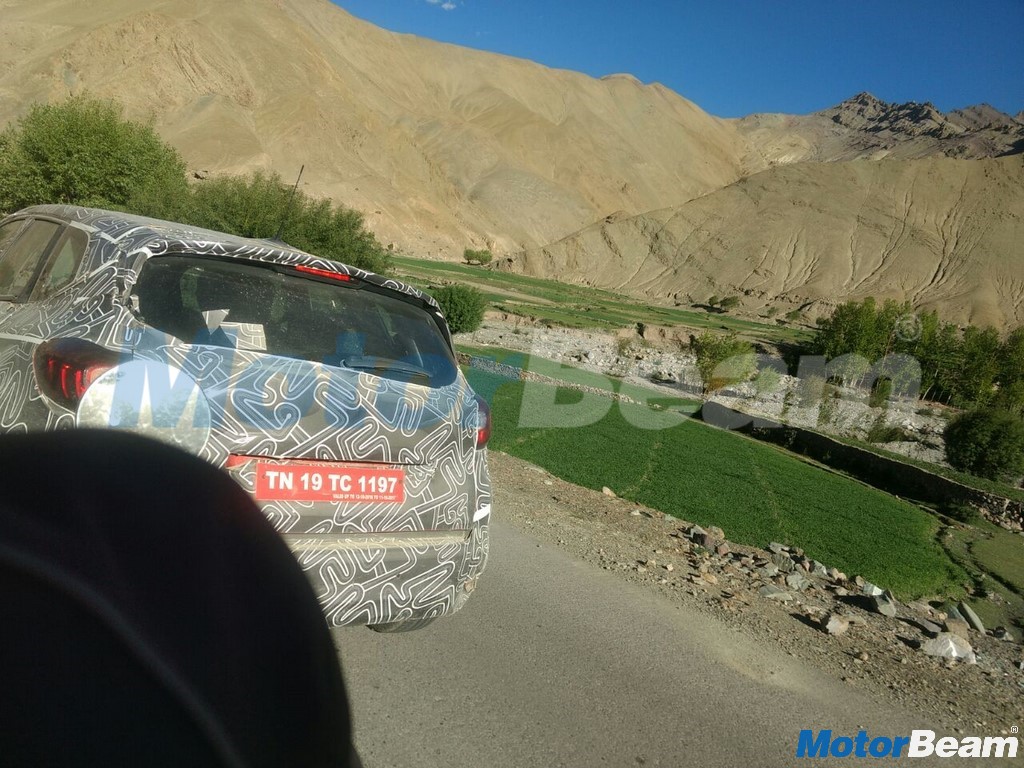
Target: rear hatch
point(335, 401)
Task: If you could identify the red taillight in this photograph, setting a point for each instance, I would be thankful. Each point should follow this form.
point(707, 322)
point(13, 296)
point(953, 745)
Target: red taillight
point(236, 460)
point(323, 273)
point(483, 428)
point(65, 368)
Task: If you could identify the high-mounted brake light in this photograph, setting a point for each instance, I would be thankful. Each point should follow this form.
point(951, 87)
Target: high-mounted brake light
point(483, 429)
point(65, 368)
point(324, 273)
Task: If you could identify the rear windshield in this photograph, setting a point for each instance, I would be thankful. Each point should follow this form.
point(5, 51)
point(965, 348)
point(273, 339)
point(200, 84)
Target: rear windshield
point(277, 311)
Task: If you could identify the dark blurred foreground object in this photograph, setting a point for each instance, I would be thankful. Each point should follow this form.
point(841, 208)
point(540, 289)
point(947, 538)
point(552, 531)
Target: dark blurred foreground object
point(151, 616)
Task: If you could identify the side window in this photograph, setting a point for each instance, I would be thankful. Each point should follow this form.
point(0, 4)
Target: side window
point(63, 264)
point(18, 266)
point(8, 232)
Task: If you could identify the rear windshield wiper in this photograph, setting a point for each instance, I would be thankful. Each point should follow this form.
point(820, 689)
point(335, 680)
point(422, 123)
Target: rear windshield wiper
point(365, 363)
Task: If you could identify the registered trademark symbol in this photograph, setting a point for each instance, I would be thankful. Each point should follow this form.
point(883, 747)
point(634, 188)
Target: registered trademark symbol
point(908, 327)
point(1014, 729)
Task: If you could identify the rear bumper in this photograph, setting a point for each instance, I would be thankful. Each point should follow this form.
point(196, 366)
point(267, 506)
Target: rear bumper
point(384, 578)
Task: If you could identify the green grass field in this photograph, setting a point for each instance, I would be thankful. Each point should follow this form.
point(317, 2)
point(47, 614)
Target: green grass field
point(756, 493)
point(577, 306)
point(994, 558)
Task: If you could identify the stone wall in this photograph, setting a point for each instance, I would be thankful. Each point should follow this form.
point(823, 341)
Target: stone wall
point(887, 474)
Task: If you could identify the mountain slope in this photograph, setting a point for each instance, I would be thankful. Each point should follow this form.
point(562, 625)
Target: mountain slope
point(942, 233)
point(442, 147)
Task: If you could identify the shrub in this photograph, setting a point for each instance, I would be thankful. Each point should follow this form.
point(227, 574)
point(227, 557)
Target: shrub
point(962, 513)
point(463, 307)
point(881, 391)
point(257, 205)
point(729, 302)
point(480, 257)
point(881, 432)
point(794, 315)
point(987, 442)
point(810, 391)
point(84, 152)
point(829, 406)
point(767, 381)
point(722, 360)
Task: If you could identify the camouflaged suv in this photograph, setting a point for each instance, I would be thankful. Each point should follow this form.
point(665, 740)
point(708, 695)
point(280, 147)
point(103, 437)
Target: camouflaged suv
point(329, 393)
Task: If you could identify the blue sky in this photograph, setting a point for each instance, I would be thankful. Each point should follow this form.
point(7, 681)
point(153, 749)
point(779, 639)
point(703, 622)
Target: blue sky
point(734, 57)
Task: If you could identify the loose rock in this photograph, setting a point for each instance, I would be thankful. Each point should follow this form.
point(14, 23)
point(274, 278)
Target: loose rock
point(870, 589)
point(835, 624)
point(772, 592)
point(884, 604)
point(1002, 633)
point(949, 646)
point(783, 562)
point(957, 627)
point(928, 627)
point(971, 618)
point(797, 581)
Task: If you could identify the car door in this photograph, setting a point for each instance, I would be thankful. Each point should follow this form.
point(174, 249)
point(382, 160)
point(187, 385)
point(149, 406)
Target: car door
point(25, 245)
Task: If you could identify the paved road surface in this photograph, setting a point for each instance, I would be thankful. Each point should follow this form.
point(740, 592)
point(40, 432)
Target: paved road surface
point(557, 663)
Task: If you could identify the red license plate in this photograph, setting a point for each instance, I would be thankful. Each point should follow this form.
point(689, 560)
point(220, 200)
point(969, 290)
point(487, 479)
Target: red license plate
point(328, 482)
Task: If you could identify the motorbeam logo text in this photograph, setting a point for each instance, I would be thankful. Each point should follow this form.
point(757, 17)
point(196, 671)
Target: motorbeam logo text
point(917, 744)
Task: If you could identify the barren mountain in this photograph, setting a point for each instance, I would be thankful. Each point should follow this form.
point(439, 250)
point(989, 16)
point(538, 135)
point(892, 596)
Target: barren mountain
point(942, 233)
point(442, 147)
point(864, 127)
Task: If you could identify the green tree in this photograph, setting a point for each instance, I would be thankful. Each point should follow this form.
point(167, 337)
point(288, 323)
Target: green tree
point(1011, 373)
point(977, 368)
point(967, 368)
point(987, 442)
point(722, 360)
point(463, 307)
point(729, 302)
point(84, 152)
point(257, 205)
point(941, 355)
point(863, 328)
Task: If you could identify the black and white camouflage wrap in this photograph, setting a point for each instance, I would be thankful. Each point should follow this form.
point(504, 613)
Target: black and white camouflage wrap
point(371, 563)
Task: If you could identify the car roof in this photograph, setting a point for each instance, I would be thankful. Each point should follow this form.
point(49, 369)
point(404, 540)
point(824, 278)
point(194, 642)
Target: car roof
point(155, 236)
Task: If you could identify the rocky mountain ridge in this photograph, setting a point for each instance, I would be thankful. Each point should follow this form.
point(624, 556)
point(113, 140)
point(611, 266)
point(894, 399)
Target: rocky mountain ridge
point(865, 127)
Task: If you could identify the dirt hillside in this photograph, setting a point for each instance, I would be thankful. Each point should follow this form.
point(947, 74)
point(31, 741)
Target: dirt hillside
point(442, 147)
point(941, 233)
